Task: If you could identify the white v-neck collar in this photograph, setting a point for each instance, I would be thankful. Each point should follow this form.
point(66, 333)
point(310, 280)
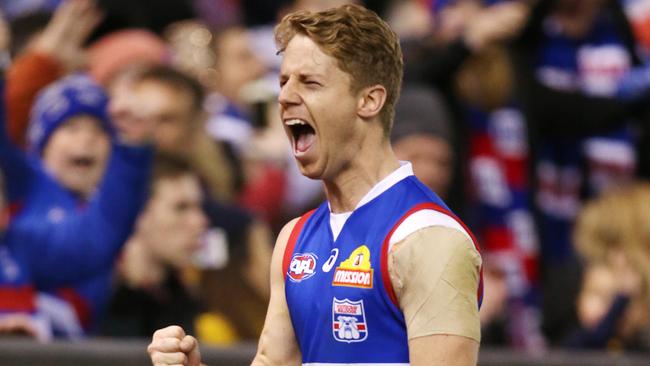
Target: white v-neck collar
point(337, 220)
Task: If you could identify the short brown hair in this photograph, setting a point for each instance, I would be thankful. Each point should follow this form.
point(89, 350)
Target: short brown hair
point(177, 80)
point(364, 45)
point(169, 166)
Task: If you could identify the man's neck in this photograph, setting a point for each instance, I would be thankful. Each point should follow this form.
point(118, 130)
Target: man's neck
point(351, 184)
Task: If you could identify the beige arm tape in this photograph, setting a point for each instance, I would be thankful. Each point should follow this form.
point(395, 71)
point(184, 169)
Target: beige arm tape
point(435, 275)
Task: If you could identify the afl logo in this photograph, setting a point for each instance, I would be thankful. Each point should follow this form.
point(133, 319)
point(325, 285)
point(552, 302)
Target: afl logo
point(302, 266)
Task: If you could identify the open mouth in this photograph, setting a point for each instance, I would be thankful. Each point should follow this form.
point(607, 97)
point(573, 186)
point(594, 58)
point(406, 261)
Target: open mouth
point(303, 134)
point(83, 161)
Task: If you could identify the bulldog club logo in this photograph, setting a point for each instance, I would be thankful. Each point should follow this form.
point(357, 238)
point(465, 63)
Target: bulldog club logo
point(349, 321)
point(302, 266)
point(355, 271)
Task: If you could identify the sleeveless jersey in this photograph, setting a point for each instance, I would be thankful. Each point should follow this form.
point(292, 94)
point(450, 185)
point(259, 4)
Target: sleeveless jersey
point(339, 294)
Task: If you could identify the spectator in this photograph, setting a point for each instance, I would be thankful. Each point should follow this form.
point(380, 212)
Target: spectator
point(464, 60)
point(69, 223)
point(460, 29)
point(170, 98)
point(599, 234)
point(570, 62)
point(613, 302)
point(501, 208)
point(70, 131)
point(422, 135)
point(150, 291)
point(243, 116)
point(70, 142)
point(236, 66)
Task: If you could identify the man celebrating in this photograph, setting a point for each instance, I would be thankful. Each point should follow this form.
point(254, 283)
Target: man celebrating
point(382, 273)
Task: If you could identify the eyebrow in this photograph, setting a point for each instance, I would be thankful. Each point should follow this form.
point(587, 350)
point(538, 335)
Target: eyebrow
point(303, 75)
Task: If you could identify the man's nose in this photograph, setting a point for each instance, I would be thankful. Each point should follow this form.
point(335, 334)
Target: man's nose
point(288, 94)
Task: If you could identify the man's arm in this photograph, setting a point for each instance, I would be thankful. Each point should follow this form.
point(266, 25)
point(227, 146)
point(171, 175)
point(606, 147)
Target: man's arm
point(16, 169)
point(435, 274)
point(88, 242)
point(443, 349)
point(56, 50)
point(277, 345)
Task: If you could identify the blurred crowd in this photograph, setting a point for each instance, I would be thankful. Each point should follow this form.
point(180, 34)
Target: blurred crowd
point(145, 172)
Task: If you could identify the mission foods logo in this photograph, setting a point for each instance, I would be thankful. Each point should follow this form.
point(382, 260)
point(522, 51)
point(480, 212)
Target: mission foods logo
point(355, 271)
point(302, 266)
point(349, 321)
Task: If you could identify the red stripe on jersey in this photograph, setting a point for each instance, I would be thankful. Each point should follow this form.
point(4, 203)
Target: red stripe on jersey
point(291, 244)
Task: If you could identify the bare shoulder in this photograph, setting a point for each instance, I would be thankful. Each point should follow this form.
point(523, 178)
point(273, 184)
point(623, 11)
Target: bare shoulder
point(282, 241)
point(283, 237)
point(435, 273)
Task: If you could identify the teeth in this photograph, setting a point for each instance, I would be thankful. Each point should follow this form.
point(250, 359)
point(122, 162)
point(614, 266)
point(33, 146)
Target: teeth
point(294, 122)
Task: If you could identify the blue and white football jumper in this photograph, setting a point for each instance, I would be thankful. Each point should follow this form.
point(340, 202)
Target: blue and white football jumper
point(339, 294)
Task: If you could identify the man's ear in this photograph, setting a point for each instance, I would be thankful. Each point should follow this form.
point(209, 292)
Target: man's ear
point(371, 101)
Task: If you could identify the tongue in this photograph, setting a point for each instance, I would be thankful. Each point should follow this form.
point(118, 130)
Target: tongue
point(304, 142)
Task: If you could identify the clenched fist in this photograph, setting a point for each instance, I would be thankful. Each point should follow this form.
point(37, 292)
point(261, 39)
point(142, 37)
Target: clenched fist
point(171, 346)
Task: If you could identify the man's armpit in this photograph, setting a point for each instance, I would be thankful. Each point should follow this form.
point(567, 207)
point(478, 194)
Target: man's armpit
point(435, 274)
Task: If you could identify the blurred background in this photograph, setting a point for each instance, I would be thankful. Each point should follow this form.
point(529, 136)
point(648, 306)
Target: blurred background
point(531, 119)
